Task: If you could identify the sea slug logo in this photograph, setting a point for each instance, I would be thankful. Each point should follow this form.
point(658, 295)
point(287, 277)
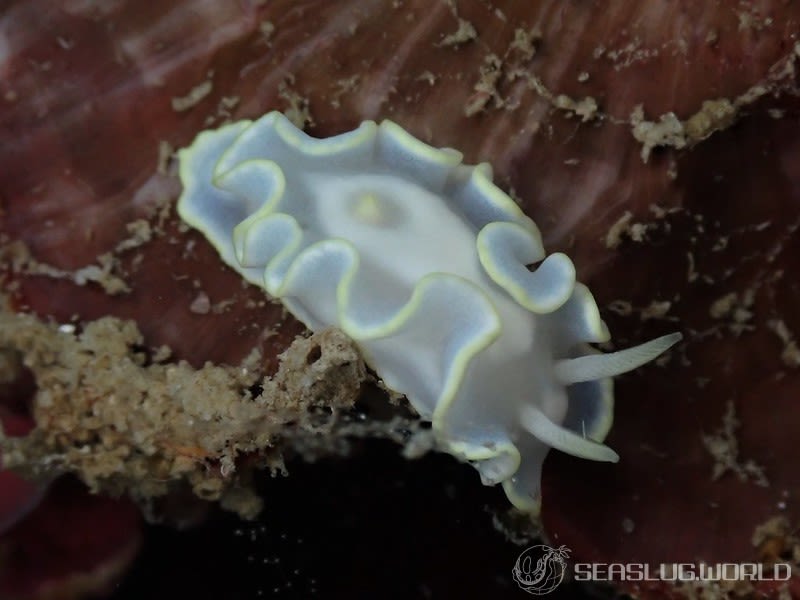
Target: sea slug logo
point(540, 569)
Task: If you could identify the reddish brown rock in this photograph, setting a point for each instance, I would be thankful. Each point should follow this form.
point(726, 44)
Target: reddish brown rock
point(701, 238)
point(74, 545)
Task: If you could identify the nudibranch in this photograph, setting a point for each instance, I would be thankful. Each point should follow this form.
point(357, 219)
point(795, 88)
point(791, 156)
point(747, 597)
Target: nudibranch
point(424, 263)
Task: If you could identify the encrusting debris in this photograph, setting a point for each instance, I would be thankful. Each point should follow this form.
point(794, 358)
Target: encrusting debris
point(623, 228)
point(776, 540)
point(106, 273)
point(513, 66)
point(298, 111)
point(485, 88)
point(724, 449)
point(465, 33)
point(669, 130)
point(201, 305)
point(267, 29)
point(713, 115)
point(790, 354)
point(735, 308)
point(106, 410)
point(195, 95)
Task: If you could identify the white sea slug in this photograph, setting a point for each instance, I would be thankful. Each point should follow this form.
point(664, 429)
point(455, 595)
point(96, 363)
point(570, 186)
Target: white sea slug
point(421, 260)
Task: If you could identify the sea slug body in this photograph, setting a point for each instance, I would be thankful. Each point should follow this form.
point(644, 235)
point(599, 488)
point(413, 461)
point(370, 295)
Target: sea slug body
point(422, 261)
